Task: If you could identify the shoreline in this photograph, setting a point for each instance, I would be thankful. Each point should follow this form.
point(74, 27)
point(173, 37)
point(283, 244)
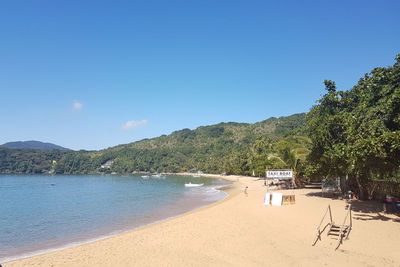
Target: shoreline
point(224, 188)
point(240, 231)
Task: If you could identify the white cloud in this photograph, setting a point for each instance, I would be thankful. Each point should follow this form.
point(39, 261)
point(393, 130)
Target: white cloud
point(77, 105)
point(129, 125)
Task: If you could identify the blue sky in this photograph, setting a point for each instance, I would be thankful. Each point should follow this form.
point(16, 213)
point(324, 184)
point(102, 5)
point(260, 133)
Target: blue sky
point(94, 74)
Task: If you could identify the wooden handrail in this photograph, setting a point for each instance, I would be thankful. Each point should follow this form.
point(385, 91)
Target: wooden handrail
point(318, 235)
point(351, 220)
point(342, 227)
point(330, 215)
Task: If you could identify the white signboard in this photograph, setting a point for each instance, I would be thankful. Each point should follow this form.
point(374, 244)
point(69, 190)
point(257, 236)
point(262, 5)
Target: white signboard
point(276, 199)
point(267, 198)
point(280, 174)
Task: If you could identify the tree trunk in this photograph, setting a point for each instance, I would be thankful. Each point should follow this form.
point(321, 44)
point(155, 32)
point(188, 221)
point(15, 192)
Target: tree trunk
point(363, 195)
point(298, 182)
point(371, 189)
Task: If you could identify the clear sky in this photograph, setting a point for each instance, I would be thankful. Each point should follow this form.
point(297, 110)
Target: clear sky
point(94, 74)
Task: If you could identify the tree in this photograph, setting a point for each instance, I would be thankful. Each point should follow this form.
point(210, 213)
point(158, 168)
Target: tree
point(330, 86)
point(357, 132)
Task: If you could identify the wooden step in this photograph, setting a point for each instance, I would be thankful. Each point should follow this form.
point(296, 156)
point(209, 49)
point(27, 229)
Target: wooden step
point(338, 229)
point(336, 232)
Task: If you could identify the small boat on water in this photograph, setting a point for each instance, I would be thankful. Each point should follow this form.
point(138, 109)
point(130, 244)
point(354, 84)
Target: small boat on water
point(145, 176)
point(193, 185)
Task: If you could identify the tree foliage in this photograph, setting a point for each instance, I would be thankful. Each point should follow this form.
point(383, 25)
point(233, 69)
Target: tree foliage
point(357, 132)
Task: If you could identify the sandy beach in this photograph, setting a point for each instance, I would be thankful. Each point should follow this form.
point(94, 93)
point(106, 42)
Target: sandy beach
point(241, 231)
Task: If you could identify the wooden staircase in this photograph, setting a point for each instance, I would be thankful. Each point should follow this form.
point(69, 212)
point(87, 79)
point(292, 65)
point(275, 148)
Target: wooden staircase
point(340, 231)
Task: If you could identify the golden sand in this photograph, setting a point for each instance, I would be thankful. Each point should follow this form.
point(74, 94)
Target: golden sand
point(241, 231)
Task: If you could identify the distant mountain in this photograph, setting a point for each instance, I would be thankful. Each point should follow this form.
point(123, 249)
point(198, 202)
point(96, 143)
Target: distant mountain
point(33, 145)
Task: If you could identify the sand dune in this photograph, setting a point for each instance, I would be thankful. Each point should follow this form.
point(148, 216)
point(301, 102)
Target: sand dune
point(240, 231)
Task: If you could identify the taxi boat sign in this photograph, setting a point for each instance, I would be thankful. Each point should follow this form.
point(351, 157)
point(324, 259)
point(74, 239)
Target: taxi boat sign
point(282, 174)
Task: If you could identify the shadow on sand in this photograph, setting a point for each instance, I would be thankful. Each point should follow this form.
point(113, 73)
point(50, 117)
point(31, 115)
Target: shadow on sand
point(374, 210)
point(366, 210)
point(324, 195)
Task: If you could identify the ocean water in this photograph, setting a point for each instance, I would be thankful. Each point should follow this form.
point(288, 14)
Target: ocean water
point(40, 213)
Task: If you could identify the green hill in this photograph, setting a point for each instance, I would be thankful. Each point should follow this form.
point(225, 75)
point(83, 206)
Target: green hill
point(208, 148)
point(224, 147)
point(33, 145)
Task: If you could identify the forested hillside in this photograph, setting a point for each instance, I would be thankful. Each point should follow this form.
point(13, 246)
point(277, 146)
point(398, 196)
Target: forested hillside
point(225, 147)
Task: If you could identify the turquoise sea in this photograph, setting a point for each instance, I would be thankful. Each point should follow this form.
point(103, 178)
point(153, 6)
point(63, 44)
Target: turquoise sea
point(40, 213)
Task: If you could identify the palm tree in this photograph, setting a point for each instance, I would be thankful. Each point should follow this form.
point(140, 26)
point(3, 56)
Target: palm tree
point(291, 154)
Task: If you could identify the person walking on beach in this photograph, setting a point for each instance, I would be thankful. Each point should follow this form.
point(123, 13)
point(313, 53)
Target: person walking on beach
point(245, 191)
